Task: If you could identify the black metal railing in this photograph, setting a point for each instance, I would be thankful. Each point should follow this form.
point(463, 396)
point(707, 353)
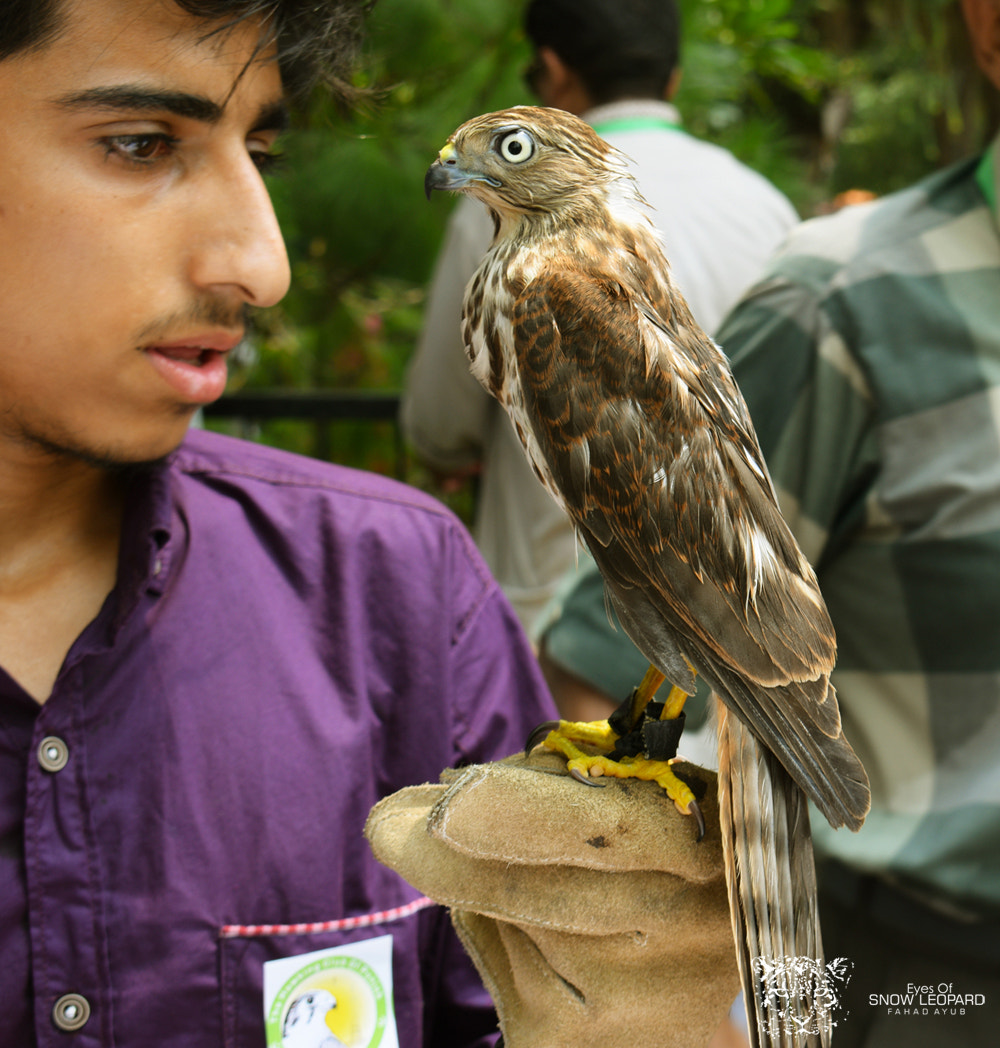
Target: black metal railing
point(323, 407)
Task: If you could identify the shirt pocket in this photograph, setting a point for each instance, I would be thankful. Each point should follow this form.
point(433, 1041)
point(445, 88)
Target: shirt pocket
point(244, 949)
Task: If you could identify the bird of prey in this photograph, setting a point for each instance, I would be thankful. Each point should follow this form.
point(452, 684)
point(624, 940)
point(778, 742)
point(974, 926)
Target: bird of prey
point(305, 1024)
point(631, 418)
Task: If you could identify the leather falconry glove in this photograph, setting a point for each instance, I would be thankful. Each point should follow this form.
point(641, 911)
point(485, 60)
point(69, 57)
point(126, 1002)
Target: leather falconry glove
point(595, 917)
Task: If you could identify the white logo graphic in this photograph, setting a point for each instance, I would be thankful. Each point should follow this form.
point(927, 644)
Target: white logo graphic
point(799, 994)
point(307, 1025)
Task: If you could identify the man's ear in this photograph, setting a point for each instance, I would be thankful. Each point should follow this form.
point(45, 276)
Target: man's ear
point(673, 84)
point(559, 87)
point(983, 19)
point(555, 70)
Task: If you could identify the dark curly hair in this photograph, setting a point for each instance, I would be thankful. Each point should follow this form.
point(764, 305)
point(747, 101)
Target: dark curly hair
point(317, 39)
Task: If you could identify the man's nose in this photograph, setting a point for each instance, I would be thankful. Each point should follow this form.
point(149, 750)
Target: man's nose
point(237, 243)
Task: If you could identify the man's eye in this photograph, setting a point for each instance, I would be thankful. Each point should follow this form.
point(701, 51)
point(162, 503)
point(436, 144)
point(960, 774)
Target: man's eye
point(268, 162)
point(140, 149)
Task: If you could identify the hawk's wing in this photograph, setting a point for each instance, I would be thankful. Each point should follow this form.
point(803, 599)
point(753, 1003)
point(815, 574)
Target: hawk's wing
point(645, 434)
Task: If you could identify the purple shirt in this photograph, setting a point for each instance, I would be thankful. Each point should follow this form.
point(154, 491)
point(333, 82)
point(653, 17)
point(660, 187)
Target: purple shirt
point(287, 643)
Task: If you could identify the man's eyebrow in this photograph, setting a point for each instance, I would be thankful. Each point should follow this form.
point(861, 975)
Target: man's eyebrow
point(127, 98)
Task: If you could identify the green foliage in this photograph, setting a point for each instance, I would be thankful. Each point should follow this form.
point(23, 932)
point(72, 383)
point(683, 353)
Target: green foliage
point(827, 96)
point(819, 95)
point(753, 84)
point(918, 101)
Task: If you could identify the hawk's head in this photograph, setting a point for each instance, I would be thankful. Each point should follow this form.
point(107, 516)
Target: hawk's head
point(528, 160)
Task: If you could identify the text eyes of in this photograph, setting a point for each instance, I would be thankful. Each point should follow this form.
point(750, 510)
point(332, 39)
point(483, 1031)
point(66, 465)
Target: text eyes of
point(516, 147)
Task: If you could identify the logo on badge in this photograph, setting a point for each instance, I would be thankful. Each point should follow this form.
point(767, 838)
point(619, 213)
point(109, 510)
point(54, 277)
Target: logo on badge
point(337, 998)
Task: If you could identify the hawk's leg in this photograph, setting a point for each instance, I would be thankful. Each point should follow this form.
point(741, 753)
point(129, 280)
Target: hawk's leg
point(638, 741)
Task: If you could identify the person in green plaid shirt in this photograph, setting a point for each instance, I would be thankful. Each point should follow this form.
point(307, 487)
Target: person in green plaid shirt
point(869, 356)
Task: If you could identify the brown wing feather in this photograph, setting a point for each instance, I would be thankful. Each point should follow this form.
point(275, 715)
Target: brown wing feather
point(652, 450)
point(640, 462)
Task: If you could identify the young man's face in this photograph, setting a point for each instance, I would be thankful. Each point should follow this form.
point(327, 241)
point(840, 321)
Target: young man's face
point(134, 226)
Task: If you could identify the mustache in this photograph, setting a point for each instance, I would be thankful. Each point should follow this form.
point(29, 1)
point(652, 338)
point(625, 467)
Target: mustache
point(209, 313)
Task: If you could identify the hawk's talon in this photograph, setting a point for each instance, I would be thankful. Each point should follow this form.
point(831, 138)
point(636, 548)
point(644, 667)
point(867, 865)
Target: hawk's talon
point(575, 773)
point(694, 808)
point(536, 736)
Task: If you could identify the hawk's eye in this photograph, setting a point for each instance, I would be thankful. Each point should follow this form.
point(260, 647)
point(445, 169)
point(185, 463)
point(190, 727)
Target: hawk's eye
point(516, 147)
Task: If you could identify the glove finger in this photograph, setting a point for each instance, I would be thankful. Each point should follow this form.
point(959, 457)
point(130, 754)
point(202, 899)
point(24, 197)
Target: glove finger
point(574, 899)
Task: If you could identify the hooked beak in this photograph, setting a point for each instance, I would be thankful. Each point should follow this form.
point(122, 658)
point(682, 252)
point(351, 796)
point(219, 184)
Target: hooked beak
point(446, 173)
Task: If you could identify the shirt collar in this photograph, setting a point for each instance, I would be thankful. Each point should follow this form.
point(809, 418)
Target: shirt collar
point(146, 549)
point(988, 178)
point(633, 114)
point(144, 556)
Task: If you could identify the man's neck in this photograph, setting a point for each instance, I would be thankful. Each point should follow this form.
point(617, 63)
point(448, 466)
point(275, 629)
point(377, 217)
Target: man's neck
point(60, 527)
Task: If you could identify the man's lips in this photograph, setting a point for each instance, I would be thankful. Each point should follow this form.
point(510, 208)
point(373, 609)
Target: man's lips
point(190, 346)
point(194, 366)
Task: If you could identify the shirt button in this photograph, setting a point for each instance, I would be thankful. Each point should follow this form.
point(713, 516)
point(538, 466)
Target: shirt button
point(53, 753)
point(70, 1012)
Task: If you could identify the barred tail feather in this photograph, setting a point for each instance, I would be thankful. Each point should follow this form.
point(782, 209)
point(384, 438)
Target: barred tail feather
point(772, 892)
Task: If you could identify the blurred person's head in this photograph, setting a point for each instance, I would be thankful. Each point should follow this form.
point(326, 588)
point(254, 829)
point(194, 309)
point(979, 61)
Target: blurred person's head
point(590, 52)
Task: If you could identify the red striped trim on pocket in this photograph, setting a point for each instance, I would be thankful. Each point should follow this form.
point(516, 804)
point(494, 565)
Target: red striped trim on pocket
point(344, 924)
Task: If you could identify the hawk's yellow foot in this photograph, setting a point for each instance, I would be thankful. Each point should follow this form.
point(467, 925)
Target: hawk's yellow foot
point(594, 749)
point(639, 767)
